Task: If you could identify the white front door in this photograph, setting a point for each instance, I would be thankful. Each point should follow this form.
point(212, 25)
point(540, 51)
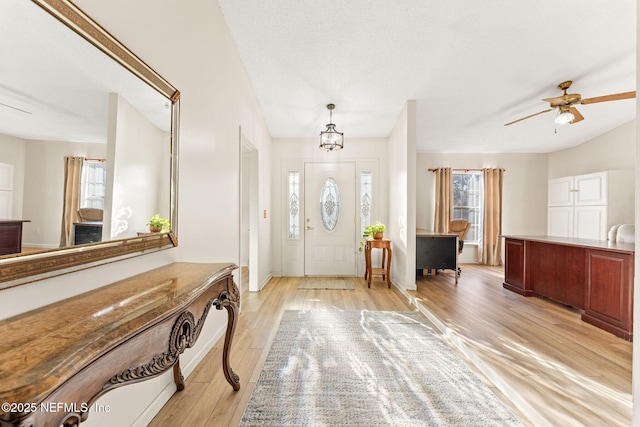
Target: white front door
point(329, 222)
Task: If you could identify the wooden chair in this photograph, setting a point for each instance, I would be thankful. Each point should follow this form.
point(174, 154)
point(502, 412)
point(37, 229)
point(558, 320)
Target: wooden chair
point(461, 228)
point(90, 214)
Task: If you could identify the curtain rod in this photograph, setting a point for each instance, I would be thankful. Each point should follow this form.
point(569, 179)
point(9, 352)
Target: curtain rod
point(466, 170)
point(95, 160)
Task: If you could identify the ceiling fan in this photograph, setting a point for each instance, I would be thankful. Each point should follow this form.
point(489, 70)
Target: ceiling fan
point(567, 113)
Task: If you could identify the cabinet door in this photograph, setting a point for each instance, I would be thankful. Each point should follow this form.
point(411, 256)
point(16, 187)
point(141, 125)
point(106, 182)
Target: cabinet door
point(560, 221)
point(560, 191)
point(514, 265)
point(590, 222)
point(591, 189)
point(609, 297)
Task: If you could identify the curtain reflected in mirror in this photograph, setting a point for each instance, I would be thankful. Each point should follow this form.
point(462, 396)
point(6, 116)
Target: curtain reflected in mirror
point(72, 183)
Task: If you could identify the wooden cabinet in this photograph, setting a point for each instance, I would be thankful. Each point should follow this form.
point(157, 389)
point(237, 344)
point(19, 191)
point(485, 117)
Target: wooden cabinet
point(595, 276)
point(609, 293)
point(556, 272)
point(11, 236)
point(514, 266)
point(586, 206)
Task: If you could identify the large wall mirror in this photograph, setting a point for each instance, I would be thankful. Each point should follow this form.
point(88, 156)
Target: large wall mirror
point(88, 145)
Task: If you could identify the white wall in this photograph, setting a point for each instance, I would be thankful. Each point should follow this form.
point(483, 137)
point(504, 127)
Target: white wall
point(524, 190)
point(401, 228)
point(138, 167)
point(12, 151)
point(44, 188)
point(189, 44)
point(635, 383)
point(610, 151)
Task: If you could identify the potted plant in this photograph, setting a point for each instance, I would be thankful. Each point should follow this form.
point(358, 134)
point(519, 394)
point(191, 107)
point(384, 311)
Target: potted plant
point(158, 224)
point(374, 231)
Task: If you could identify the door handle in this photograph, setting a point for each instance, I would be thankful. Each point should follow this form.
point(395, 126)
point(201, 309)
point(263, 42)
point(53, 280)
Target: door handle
point(308, 227)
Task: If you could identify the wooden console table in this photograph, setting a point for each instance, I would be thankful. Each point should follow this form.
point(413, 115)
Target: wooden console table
point(56, 361)
point(593, 275)
point(385, 271)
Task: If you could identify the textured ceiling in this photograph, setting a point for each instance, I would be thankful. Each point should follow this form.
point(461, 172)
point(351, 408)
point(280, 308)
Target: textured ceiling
point(470, 66)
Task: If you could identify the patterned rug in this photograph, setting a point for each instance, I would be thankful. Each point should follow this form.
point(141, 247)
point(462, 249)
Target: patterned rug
point(325, 283)
point(367, 368)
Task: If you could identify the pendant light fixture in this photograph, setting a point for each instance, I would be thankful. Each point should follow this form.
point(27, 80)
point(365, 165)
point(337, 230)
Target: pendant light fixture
point(331, 139)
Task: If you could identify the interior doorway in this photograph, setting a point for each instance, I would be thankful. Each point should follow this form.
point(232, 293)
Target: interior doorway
point(249, 218)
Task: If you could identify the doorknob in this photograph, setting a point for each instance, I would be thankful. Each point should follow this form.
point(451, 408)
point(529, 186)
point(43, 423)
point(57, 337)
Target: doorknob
point(308, 227)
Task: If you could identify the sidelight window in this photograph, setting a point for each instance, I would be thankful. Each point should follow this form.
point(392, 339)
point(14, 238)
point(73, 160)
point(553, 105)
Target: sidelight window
point(366, 198)
point(294, 205)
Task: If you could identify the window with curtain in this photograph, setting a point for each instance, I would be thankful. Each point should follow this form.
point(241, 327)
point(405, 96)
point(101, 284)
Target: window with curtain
point(468, 196)
point(92, 184)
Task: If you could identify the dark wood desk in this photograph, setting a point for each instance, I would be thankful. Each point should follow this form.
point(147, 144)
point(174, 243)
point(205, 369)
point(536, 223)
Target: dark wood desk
point(385, 270)
point(73, 351)
point(592, 275)
point(436, 251)
point(87, 232)
point(11, 236)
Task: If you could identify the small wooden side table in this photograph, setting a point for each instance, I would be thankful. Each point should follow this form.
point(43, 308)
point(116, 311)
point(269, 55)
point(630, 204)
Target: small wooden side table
point(385, 271)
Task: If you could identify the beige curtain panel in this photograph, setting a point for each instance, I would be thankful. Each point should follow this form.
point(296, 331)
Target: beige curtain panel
point(491, 249)
point(444, 200)
point(72, 179)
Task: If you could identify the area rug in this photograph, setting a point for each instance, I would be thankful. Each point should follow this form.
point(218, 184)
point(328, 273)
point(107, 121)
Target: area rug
point(367, 368)
point(325, 283)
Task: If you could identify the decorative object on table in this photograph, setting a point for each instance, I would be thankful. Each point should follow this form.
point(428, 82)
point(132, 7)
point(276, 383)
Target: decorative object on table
point(158, 224)
point(357, 368)
point(375, 231)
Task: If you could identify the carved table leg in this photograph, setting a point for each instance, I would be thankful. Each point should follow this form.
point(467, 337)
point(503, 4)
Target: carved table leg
point(177, 376)
point(232, 378)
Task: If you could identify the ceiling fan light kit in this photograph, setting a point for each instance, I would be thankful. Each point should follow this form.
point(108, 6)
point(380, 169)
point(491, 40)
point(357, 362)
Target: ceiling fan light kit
point(564, 116)
point(330, 138)
point(567, 113)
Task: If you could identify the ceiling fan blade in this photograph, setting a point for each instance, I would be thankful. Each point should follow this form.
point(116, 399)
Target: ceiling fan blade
point(576, 114)
point(528, 117)
point(613, 97)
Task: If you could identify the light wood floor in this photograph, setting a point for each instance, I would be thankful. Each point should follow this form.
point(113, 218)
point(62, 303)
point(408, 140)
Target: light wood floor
point(548, 366)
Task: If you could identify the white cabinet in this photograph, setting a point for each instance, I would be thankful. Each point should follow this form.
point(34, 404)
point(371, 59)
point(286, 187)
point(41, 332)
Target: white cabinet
point(586, 206)
point(591, 189)
point(560, 221)
point(561, 191)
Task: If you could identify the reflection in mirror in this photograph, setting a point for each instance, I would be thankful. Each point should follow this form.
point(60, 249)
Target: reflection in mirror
point(88, 149)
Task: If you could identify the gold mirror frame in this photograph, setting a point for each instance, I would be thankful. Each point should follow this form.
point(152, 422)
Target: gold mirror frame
point(26, 268)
